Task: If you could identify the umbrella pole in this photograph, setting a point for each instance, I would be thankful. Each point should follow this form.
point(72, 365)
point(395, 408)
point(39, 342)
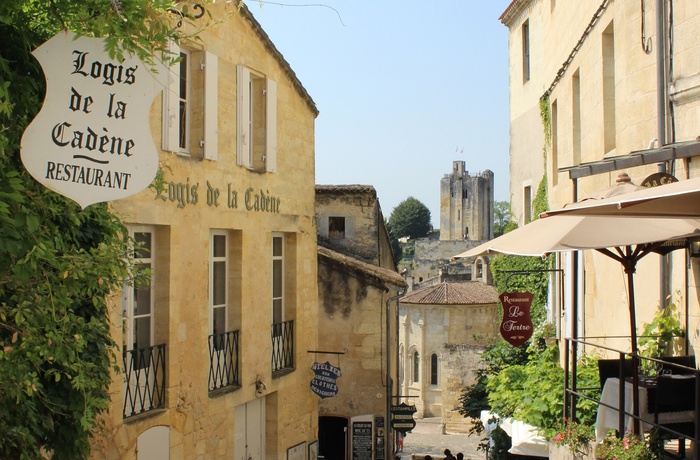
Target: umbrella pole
point(629, 269)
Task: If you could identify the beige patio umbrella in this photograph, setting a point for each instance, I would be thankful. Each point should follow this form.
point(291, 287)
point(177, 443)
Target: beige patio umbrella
point(679, 199)
point(626, 228)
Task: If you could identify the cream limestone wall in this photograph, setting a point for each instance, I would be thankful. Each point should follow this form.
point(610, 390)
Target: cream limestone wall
point(554, 32)
point(201, 425)
point(353, 321)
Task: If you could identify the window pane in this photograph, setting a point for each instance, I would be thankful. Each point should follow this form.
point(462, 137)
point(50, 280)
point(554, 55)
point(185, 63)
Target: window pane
point(219, 281)
point(219, 246)
point(277, 246)
point(416, 364)
point(434, 369)
point(142, 296)
point(142, 332)
point(143, 243)
point(183, 76)
point(277, 311)
point(336, 227)
point(276, 278)
point(183, 125)
point(219, 326)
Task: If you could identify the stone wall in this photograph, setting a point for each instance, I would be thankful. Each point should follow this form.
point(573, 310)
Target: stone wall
point(458, 366)
point(431, 256)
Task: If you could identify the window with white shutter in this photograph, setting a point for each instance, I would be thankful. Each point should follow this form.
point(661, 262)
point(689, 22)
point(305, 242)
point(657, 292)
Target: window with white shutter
point(257, 122)
point(190, 105)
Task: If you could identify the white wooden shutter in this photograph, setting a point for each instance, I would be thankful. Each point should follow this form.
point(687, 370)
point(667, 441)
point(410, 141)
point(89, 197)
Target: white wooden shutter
point(243, 111)
point(171, 104)
point(211, 96)
point(271, 127)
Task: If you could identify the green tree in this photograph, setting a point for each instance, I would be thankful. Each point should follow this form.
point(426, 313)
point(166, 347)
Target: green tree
point(410, 218)
point(58, 263)
point(396, 249)
point(502, 216)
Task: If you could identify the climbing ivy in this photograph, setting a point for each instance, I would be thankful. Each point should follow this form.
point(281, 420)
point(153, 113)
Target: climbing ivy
point(541, 204)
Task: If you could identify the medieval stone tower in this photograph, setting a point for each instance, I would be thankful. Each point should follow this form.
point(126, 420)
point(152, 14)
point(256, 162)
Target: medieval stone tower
point(466, 205)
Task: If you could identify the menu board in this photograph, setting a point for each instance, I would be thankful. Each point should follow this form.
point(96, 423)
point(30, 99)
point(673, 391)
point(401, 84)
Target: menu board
point(362, 441)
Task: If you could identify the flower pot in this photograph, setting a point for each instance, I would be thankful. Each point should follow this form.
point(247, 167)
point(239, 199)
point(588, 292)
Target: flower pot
point(557, 452)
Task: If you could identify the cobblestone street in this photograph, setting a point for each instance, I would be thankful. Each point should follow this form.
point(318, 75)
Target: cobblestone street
point(427, 438)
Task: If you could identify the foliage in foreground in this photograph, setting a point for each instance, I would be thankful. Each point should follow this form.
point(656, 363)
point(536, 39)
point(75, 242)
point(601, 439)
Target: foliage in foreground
point(58, 263)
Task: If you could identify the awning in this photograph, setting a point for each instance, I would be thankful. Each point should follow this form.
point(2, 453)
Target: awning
point(635, 158)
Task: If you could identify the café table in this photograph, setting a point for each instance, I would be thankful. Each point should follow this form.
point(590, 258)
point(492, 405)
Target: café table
point(608, 417)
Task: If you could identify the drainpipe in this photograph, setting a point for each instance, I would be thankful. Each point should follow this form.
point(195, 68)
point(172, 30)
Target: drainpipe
point(661, 102)
point(388, 432)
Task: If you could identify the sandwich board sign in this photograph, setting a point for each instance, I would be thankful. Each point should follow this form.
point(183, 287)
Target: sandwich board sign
point(91, 140)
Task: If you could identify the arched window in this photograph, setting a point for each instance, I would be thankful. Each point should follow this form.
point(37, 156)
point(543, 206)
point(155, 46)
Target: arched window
point(416, 367)
point(434, 369)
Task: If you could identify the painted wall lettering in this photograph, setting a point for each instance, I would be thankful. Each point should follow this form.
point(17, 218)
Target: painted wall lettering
point(186, 193)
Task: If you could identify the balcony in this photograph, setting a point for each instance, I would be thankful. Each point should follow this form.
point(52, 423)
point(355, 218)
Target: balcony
point(144, 380)
point(223, 361)
point(282, 348)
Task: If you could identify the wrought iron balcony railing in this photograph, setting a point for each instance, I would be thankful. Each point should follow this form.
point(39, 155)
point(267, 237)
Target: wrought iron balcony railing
point(144, 379)
point(223, 360)
point(282, 347)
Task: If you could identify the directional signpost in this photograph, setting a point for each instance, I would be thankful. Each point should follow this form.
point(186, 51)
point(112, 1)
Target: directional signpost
point(402, 417)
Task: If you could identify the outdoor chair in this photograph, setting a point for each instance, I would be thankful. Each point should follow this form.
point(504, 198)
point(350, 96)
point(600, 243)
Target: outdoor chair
point(675, 395)
point(687, 361)
point(611, 368)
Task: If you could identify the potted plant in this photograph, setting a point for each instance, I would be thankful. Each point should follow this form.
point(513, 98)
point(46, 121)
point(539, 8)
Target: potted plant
point(572, 441)
point(658, 337)
point(629, 447)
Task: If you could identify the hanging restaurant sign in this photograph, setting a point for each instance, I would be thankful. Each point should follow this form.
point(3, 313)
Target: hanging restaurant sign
point(657, 179)
point(516, 325)
point(91, 140)
point(324, 382)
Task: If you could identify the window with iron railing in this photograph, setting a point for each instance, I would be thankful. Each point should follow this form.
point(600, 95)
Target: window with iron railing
point(282, 347)
point(223, 360)
point(144, 379)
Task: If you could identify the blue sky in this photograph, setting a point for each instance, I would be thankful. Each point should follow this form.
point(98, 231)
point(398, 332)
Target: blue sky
point(403, 87)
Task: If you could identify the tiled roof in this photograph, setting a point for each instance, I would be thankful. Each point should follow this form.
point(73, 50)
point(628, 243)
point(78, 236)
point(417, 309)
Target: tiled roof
point(339, 189)
point(467, 293)
point(381, 274)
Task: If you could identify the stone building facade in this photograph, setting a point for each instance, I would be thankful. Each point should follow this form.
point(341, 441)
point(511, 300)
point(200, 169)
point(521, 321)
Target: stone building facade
point(466, 205)
point(357, 319)
point(619, 86)
point(215, 361)
point(443, 329)
point(466, 220)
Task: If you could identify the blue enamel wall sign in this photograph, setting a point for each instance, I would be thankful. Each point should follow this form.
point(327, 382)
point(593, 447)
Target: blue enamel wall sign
point(324, 382)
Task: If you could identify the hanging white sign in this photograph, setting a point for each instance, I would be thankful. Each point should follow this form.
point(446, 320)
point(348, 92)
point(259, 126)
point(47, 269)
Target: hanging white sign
point(92, 141)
